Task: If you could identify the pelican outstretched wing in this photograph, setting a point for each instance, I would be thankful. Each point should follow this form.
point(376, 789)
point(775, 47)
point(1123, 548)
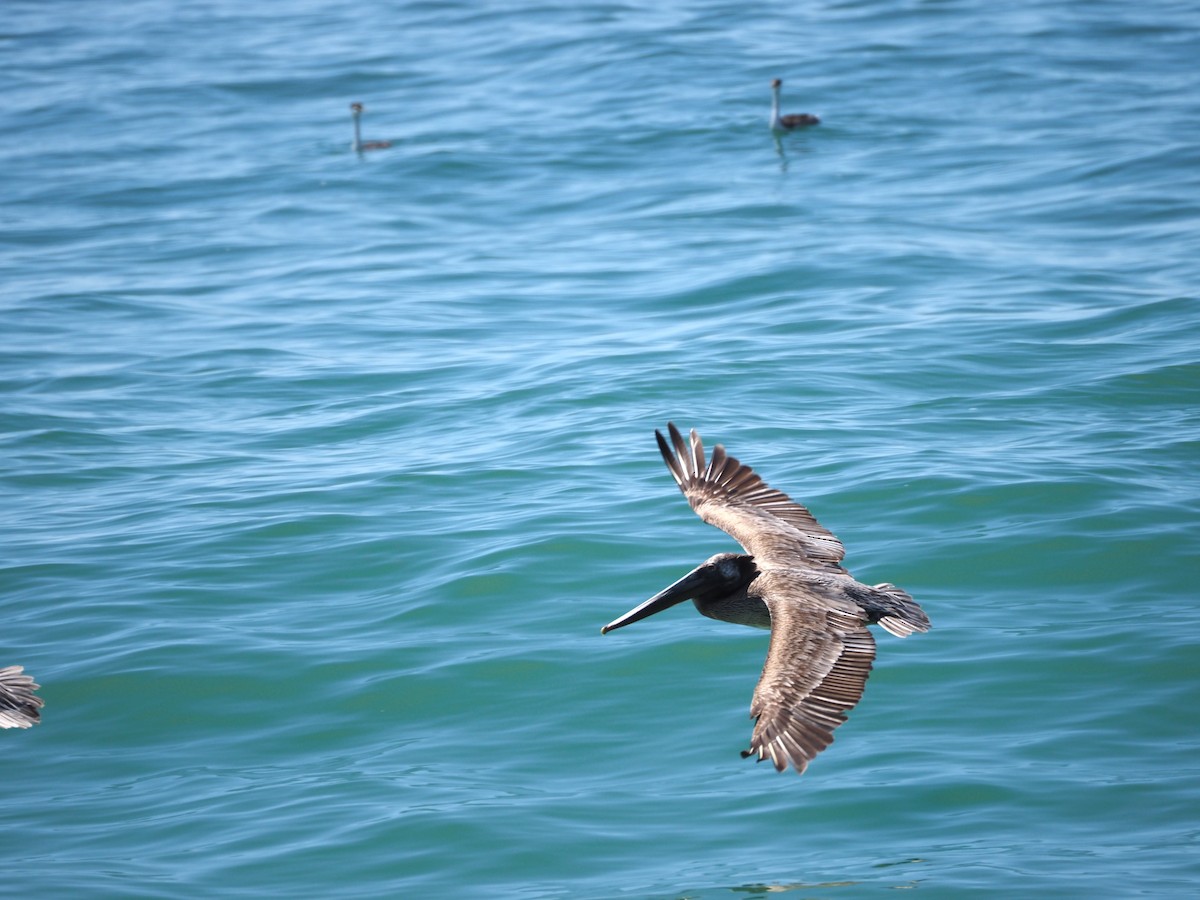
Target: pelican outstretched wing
point(18, 704)
point(773, 527)
point(816, 671)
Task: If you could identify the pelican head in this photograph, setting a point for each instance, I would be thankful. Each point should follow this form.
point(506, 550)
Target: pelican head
point(714, 579)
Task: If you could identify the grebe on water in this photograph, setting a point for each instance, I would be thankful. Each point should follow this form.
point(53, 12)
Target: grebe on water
point(359, 144)
point(791, 122)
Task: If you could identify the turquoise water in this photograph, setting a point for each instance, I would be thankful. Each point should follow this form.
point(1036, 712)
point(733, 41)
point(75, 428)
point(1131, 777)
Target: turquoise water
point(321, 473)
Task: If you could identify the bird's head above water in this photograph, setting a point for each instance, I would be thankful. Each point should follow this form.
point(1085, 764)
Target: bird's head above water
point(718, 576)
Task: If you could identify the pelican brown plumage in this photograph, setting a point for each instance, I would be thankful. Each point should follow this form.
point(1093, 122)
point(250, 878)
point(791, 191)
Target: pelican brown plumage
point(18, 704)
point(791, 581)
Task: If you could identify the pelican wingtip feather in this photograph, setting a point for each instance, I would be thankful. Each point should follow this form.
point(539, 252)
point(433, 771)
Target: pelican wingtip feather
point(19, 705)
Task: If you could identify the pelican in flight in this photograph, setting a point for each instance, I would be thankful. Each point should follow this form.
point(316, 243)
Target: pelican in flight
point(789, 122)
point(791, 581)
point(359, 145)
point(18, 704)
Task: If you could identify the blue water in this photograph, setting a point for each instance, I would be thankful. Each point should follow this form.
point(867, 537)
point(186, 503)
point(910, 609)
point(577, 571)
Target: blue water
point(321, 472)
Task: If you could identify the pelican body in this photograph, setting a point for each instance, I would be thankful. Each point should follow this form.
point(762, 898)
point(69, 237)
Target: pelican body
point(789, 122)
point(790, 581)
point(359, 145)
point(18, 704)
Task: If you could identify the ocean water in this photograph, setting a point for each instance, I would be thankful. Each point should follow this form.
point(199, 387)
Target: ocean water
point(321, 471)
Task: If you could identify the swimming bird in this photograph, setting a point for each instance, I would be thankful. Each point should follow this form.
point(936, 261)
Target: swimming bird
point(790, 581)
point(788, 122)
point(18, 704)
point(359, 145)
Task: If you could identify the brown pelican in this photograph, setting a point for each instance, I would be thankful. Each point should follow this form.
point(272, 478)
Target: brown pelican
point(790, 582)
point(359, 144)
point(18, 704)
point(789, 122)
